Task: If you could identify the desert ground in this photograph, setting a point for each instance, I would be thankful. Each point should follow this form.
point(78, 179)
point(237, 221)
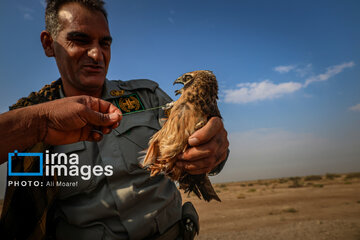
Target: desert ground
point(312, 207)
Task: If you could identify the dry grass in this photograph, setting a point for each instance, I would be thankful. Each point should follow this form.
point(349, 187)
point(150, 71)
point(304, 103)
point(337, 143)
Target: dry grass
point(290, 210)
point(241, 196)
point(283, 180)
point(296, 182)
point(332, 176)
point(352, 175)
point(313, 178)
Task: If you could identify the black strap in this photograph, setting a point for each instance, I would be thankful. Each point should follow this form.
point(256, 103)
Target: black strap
point(190, 221)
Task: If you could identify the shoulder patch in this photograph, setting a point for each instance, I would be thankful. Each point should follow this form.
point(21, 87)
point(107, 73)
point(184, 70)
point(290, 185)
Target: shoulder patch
point(138, 84)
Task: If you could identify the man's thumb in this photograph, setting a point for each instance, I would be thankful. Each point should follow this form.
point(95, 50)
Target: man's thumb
point(102, 119)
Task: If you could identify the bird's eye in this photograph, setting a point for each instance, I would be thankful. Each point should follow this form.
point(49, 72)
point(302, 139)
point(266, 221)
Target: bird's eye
point(188, 78)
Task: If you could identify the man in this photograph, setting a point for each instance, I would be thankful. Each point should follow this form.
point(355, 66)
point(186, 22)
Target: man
point(128, 204)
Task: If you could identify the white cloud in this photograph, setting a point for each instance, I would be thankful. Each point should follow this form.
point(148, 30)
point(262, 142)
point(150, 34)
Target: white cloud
point(23, 8)
point(171, 20)
point(300, 70)
point(258, 91)
point(330, 72)
point(303, 71)
point(355, 108)
point(27, 16)
point(284, 69)
point(252, 92)
point(26, 11)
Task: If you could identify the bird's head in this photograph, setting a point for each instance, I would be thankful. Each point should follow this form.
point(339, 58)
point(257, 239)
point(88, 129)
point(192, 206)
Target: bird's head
point(188, 78)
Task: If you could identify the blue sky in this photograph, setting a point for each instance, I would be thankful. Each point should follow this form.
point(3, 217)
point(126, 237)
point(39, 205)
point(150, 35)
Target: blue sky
point(288, 71)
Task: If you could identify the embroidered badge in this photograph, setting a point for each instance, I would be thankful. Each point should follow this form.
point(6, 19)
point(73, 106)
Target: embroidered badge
point(130, 103)
point(116, 93)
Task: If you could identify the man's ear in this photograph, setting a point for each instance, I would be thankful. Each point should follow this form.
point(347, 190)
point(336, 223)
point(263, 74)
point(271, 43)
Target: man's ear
point(47, 43)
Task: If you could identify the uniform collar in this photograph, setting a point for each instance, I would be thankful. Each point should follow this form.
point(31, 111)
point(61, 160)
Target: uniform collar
point(110, 91)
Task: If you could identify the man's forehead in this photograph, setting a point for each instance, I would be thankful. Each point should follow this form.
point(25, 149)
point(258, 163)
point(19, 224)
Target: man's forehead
point(74, 15)
point(66, 15)
point(70, 11)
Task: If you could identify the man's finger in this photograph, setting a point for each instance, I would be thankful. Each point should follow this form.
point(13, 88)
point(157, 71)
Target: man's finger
point(95, 135)
point(106, 107)
point(199, 164)
point(196, 153)
point(101, 119)
point(198, 171)
point(101, 112)
point(221, 157)
point(106, 130)
point(115, 125)
point(207, 132)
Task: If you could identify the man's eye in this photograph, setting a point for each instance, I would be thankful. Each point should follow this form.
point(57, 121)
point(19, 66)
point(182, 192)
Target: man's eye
point(80, 41)
point(105, 43)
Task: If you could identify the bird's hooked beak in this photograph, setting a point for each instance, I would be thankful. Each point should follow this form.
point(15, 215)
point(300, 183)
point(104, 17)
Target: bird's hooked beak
point(179, 80)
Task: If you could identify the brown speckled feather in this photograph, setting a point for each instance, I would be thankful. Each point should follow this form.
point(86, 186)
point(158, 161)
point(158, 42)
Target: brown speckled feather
point(196, 105)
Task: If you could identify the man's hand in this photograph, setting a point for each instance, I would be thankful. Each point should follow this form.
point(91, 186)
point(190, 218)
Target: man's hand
point(62, 121)
point(208, 148)
point(74, 119)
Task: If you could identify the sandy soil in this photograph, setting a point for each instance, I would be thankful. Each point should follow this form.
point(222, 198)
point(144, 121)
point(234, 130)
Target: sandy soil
point(320, 209)
point(270, 209)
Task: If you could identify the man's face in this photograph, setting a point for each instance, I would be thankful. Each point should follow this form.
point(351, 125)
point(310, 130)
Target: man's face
point(82, 49)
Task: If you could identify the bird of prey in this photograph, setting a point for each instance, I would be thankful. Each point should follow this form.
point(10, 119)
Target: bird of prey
point(196, 105)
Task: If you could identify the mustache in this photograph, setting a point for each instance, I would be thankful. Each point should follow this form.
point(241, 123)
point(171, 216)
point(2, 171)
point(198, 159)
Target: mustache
point(91, 61)
point(94, 64)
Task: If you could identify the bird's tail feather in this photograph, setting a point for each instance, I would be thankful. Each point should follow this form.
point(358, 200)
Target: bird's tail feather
point(200, 185)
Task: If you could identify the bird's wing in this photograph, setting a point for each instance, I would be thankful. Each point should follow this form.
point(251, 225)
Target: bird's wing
point(172, 138)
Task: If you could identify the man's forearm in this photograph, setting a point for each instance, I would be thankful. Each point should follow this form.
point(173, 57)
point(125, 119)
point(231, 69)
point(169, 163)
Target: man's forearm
point(19, 129)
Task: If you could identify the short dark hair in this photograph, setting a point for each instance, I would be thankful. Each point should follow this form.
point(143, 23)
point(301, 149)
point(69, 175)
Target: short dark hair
point(52, 24)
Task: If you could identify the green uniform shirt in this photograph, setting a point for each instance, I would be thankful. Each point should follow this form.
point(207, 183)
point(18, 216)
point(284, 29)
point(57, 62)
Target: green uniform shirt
point(129, 204)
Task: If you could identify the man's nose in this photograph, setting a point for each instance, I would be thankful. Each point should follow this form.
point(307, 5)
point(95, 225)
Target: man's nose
point(95, 53)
